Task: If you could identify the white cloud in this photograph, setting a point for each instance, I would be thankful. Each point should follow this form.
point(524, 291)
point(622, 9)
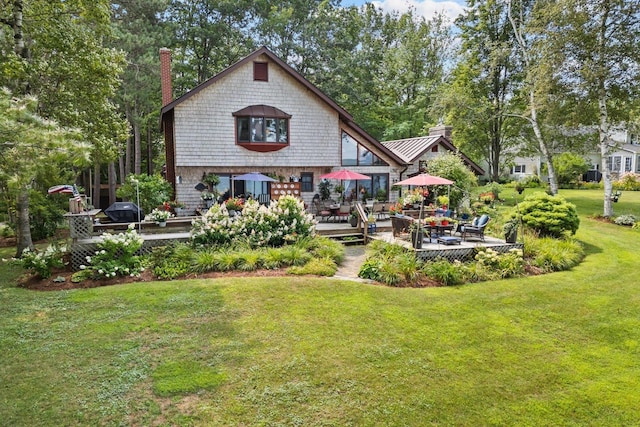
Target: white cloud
point(426, 8)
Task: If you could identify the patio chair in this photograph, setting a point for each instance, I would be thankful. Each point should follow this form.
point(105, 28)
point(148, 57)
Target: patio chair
point(476, 228)
point(343, 212)
point(321, 211)
point(400, 225)
point(379, 210)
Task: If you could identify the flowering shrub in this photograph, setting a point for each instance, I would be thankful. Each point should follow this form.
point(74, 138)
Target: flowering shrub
point(629, 181)
point(42, 263)
point(503, 265)
point(627, 219)
point(213, 228)
point(285, 220)
point(116, 255)
point(291, 220)
point(158, 215)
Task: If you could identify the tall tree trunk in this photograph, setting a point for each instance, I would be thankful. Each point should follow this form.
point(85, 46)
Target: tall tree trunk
point(18, 34)
point(96, 184)
point(544, 148)
point(605, 151)
point(149, 151)
point(127, 148)
point(137, 149)
point(123, 175)
point(112, 183)
point(24, 229)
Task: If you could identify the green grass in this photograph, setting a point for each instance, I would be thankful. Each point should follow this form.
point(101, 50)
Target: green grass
point(555, 349)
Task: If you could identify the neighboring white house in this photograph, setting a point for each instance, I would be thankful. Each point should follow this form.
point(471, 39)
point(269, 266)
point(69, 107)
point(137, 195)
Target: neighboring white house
point(260, 115)
point(626, 158)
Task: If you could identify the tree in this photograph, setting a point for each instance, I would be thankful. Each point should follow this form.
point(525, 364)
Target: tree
point(484, 86)
point(452, 167)
point(74, 76)
point(209, 35)
point(140, 29)
point(519, 12)
point(595, 43)
point(569, 167)
point(27, 144)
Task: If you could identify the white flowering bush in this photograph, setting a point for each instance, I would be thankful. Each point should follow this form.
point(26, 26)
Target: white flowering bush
point(284, 221)
point(292, 222)
point(43, 262)
point(158, 215)
point(215, 227)
point(503, 265)
point(116, 255)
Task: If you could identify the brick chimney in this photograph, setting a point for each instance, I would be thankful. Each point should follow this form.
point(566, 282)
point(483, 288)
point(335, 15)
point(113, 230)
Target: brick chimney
point(165, 76)
point(441, 130)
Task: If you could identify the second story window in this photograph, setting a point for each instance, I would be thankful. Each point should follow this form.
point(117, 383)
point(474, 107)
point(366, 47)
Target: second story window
point(262, 128)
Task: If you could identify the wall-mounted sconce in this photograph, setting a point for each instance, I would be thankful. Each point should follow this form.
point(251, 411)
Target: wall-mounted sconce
point(179, 179)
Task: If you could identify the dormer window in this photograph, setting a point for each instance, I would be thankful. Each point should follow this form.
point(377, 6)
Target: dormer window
point(262, 128)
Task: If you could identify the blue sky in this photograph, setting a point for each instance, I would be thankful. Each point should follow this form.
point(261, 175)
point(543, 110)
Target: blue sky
point(424, 7)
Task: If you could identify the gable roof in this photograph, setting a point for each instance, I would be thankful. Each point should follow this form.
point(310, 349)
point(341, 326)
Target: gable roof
point(342, 113)
point(411, 149)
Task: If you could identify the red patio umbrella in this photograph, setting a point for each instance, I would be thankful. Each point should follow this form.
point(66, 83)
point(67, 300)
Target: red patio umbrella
point(345, 175)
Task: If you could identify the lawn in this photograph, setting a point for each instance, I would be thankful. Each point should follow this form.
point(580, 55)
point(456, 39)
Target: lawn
point(557, 349)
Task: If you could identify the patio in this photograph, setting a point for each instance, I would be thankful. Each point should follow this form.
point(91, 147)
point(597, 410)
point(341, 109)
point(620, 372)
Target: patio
point(431, 248)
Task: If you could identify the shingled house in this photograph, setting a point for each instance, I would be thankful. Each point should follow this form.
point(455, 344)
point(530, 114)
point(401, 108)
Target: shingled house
point(260, 115)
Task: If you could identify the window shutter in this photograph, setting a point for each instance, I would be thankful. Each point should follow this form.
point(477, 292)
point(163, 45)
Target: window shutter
point(261, 71)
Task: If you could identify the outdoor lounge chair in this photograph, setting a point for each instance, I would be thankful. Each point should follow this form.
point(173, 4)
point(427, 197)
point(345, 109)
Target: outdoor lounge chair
point(400, 225)
point(476, 228)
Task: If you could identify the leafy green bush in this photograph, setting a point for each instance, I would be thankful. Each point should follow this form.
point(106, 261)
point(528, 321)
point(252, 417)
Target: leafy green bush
point(116, 255)
point(549, 215)
point(451, 166)
point(324, 247)
point(445, 272)
point(390, 264)
point(316, 266)
point(569, 168)
point(42, 263)
point(169, 262)
point(630, 181)
point(552, 254)
point(154, 190)
point(45, 215)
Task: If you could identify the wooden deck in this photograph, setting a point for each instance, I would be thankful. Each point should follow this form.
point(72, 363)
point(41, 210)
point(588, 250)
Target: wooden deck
point(178, 229)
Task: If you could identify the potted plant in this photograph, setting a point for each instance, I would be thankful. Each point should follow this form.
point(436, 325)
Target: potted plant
point(208, 198)
point(235, 204)
point(444, 201)
point(395, 209)
point(432, 220)
point(353, 219)
point(173, 206)
point(510, 229)
point(159, 216)
point(339, 189)
point(324, 188)
point(212, 180)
